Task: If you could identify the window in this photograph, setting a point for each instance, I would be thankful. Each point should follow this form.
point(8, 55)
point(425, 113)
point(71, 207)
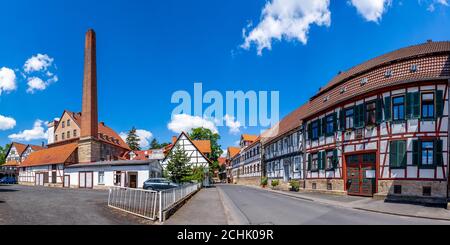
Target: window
point(398, 108)
point(56, 137)
point(428, 106)
point(297, 164)
point(118, 178)
point(68, 123)
point(63, 136)
point(371, 113)
point(101, 178)
point(427, 153)
point(330, 125)
point(315, 130)
point(398, 154)
point(75, 133)
point(349, 120)
point(63, 125)
point(329, 160)
point(315, 162)
point(68, 134)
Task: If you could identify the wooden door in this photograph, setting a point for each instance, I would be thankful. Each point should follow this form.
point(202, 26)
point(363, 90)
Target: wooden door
point(89, 180)
point(361, 174)
point(133, 181)
point(67, 181)
point(82, 180)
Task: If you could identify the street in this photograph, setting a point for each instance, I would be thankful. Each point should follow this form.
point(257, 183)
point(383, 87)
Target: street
point(260, 207)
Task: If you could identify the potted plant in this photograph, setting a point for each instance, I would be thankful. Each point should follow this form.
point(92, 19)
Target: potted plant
point(275, 184)
point(295, 186)
point(264, 182)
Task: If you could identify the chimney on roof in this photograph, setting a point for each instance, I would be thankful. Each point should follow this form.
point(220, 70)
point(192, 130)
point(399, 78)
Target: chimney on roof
point(43, 144)
point(89, 146)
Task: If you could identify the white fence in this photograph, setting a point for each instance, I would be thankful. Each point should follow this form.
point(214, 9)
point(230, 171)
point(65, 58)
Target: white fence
point(148, 204)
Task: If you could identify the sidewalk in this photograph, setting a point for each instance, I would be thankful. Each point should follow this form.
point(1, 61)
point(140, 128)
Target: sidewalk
point(205, 208)
point(369, 204)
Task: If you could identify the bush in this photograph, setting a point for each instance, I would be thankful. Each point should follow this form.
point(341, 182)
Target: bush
point(275, 183)
point(295, 185)
point(264, 181)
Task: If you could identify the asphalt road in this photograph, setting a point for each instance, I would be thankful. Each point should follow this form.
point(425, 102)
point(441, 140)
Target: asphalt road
point(23, 205)
point(259, 207)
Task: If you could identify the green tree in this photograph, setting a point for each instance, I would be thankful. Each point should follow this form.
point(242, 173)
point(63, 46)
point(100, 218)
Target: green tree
point(216, 149)
point(133, 140)
point(156, 145)
point(178, 166)
point(197, 174)
point(3, 153)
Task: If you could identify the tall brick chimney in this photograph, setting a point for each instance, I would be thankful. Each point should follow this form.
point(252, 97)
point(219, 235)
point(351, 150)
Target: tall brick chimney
point(89, 146)
point(89, 119)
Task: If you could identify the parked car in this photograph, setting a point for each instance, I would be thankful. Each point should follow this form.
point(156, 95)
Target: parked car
point(8, 180)
point(159, 184)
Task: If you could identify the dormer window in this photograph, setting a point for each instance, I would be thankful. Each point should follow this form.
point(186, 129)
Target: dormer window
point(326, 99)
point(343, 90)
point(389, 73)
point(364, 81)
point(414, 68)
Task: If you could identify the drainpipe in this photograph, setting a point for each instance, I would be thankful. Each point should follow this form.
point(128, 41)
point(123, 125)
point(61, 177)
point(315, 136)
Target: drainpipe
point(448, 140)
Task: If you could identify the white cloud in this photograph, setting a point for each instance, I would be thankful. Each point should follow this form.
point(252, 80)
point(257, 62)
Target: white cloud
point(144, 137)
point(185, 123)
point(39, 62)
point(432, 4)
point(286, 19)
point(371, 10)
point(7, 123)
point(7, 80)
point(232, 124)
point(35, 83)
point(36, 133)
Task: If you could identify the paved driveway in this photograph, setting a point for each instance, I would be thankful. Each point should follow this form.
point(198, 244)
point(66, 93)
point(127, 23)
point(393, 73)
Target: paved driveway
point(23, 205)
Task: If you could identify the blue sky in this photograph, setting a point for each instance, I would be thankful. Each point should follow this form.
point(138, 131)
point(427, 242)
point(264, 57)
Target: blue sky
point(149, 49)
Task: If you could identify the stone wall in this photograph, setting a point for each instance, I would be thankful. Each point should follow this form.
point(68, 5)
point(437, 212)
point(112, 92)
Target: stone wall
point(333, 186)
point(412, 188)
point(254, 181)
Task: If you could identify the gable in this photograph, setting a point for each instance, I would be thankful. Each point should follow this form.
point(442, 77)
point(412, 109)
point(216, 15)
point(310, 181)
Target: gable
point(197, 158)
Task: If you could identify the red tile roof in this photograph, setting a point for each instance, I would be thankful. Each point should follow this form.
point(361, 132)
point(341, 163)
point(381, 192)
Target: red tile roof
point(54, 155)
point(203, 146)
point(233, 151)
point(222, 161)
point(103, 131)
point(19, 147)
point(248, 137)
point(11, 164)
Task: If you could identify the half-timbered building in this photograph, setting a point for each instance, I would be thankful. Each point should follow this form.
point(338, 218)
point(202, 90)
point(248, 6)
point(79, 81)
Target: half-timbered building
point(283, 149)
point(198, 151)
point(381, 128)
point(246, 165)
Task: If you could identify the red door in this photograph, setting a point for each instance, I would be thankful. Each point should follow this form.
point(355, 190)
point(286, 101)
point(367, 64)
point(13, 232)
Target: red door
point(361, 174)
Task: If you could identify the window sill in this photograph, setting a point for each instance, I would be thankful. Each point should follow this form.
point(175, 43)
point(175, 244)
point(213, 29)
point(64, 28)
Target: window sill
point(397, 168)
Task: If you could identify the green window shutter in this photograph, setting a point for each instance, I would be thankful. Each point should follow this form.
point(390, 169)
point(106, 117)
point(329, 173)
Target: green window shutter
point(416, 105)
point(335, 122)
point(324, 159)
point(335, 159)
point(324, 126)
point(438, 153)
point(319, 160)
point(309, 162)
point(310, 131)
point(319, 127)
point(393, 154)
point(379, 111)
point(416, 153)
point(439, 103)
point(409, 105)
point(387, 109)
point(359, 116)
point(342, 119)
point(402, 153)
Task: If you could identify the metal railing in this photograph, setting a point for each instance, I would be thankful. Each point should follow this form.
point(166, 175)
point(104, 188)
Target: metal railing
point(138, 202)
point(148, 204)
